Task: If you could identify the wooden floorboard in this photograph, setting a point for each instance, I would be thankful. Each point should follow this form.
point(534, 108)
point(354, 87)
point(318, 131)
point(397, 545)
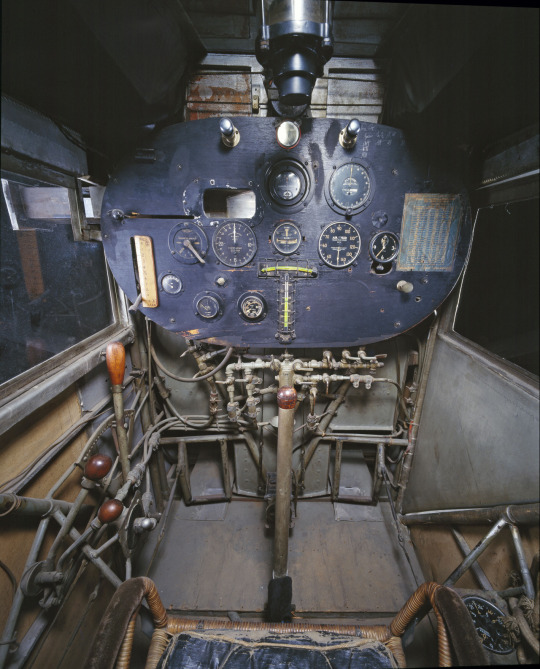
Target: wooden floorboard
point(337, 567)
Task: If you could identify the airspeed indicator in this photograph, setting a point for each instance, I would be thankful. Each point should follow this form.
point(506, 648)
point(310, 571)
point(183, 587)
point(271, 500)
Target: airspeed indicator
point(339, 244)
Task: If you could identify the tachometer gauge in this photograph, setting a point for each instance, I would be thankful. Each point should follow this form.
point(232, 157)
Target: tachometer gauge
point(286, 238)
point(188, 243)
point(287, 183)
point(350, 187)
point(384, 246)
point(234, 244)
point(488, 621)
point(339, 244)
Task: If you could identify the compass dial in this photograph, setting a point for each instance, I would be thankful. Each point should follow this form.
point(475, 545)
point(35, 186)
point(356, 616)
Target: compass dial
point(384, 247)
point(234, 244)
point(288, 183)
point(339, 244)
point(350, 186)
point(488, 621)
point(286, 238)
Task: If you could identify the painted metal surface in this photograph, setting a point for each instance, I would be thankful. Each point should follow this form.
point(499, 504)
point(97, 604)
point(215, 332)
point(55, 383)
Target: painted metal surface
point(478, 440)
point(355, 304)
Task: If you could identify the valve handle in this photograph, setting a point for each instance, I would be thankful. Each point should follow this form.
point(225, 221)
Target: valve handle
point(116, 362)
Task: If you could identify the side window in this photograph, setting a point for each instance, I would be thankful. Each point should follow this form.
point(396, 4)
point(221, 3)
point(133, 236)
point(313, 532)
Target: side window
point(53, 290)
point(498, 307)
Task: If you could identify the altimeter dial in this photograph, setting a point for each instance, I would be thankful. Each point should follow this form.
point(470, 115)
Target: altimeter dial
point(234, 244)
point(339, 244)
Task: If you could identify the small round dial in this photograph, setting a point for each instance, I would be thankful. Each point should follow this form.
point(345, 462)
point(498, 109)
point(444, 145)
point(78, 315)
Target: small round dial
point(286, 238)
point(234, 244)
point(350, 186)
point(384, 246)
point(287, 183)
point(171, 284)
point(251, 307)
point(207, 306)
point(339, 244)
point(488, 621)
point(188, 243)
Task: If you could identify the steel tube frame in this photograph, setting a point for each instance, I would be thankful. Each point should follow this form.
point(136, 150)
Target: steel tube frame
point(515, 514)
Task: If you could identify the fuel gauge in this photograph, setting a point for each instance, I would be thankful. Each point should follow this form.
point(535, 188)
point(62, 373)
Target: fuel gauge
point(286, 238)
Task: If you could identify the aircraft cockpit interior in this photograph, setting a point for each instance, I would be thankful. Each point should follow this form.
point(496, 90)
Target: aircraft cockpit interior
point(269, 370)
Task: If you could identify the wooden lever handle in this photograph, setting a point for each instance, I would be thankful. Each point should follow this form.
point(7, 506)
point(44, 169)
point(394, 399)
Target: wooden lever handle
point(116, 362)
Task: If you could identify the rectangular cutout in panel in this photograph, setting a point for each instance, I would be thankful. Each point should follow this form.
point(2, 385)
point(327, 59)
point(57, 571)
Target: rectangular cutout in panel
point(146, 270)
point(429, 232)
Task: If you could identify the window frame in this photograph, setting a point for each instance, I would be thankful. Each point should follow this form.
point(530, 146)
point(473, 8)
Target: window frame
point(515, 189)
point(20, 395)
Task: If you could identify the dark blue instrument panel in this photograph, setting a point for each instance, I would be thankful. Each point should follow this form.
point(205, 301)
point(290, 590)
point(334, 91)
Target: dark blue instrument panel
point(257, 245)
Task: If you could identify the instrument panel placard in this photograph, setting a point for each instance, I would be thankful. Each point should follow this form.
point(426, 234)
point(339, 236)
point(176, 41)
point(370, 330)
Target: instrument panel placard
point(429, 232)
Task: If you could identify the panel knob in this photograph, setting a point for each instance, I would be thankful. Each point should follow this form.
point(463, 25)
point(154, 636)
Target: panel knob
point(110, 510)
point(405, 286)
point(286, 397)
point(97, 467)
point(116, 362)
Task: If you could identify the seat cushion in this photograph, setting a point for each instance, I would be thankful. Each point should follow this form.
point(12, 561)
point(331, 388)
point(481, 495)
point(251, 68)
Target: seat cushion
point(261, 649)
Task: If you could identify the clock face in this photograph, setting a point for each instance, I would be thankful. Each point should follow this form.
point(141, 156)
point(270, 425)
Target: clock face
point(488, 621)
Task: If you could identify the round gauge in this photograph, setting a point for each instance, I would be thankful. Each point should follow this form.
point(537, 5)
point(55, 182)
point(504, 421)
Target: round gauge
point(350, 186)
point(339, 244)
point(171, 284)
point(286, 238)
point(288, 134)
point(488, 621)
point(384, 246)
point(207, 306)
point(234, 243)
point(287, 183)
point(251, 307)
point(188, 243)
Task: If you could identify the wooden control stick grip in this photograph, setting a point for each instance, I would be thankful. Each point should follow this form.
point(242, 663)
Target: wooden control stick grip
point(116, 362)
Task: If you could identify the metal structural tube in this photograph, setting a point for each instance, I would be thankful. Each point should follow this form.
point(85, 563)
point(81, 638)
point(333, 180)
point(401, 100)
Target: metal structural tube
point(475, 553)
point(286, 398)
point(29, 506)
point(525, 573)
point(325, 422)
point(515, 514)
point(413, 431)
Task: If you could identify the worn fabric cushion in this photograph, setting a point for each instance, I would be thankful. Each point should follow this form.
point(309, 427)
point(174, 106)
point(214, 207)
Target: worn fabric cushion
point(228, 649)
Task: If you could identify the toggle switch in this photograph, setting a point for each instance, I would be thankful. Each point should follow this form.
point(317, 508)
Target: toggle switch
point(349, 134)
point(229, 134)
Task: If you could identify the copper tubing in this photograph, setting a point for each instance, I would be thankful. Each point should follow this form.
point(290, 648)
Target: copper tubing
point(124, 656)
point(418, 600)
